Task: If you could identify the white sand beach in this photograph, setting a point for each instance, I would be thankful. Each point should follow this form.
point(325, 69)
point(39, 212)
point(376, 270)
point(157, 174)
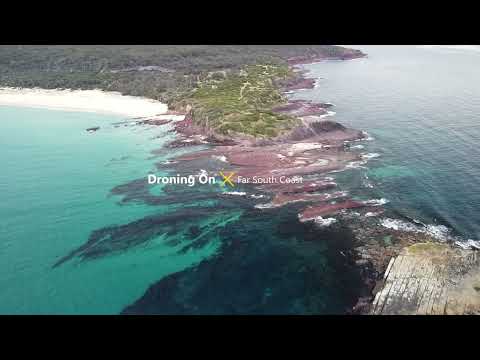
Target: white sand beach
point(83, 100)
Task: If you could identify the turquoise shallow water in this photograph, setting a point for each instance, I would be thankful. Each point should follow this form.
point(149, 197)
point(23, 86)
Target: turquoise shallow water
point(208, 253)
point(55, 184)
point(82, 232)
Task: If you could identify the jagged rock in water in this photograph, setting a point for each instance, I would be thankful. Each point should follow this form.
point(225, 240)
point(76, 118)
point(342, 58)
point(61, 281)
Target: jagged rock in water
point(156, 122)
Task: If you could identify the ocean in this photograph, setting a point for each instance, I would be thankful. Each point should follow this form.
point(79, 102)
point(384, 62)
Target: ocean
point(55, 184)
point(82, 234)
point(421, 104)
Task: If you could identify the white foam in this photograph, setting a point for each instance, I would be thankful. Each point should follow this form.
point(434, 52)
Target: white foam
point(264, 206)
point(355, 165)
point(370, 214)
point(399, 225)
point(439, 232)
point(419, 222)
point(222, 158)
point(370, 156)
point(328, 113)
point(368, 184)
point(376, 202)
point(257, 196)
point(357, 146)
point(469, 244)
point(366, 137)
point(324, 221)
point(335, 194)
point(235, 193)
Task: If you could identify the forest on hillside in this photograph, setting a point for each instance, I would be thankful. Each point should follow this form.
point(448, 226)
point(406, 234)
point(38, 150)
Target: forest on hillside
point(156, 71)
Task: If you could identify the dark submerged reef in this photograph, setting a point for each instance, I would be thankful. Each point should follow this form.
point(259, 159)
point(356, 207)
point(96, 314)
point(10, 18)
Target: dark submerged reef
point(117, 238)
point(268, 263)
point(188, 224)
point(187, 207)
point(138, 191)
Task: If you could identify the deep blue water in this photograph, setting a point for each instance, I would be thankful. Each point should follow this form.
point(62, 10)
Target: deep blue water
point(422, 106)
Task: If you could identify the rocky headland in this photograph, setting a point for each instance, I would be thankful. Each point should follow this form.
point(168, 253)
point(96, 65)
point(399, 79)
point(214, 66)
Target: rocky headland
point(312, 148)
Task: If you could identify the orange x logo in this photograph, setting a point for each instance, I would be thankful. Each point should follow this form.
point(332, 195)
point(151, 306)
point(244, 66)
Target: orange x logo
point(227, 179)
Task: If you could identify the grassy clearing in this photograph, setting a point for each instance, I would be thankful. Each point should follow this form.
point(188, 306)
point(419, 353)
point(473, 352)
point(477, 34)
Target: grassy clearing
point(243, 102)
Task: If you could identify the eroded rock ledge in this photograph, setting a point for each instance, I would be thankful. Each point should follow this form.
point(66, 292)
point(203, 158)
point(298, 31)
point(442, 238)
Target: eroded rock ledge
point(430, 279)
point(411, 272)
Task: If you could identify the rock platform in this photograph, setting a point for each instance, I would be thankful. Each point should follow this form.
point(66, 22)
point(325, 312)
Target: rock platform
point(430, 279)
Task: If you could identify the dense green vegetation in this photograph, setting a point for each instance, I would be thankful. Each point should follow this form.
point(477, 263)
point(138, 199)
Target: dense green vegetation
point(242, 102)
point(208, 76)
point(119, 67)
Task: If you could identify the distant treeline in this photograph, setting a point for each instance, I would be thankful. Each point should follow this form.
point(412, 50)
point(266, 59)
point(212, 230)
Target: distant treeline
point(156, 71)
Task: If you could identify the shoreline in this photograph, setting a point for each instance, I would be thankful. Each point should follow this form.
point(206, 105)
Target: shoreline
point(96, 101)
point(367, 219)
point(397, 240)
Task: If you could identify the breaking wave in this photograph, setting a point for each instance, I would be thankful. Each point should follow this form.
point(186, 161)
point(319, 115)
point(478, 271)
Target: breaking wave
point(370, 156)
point(253, 196)
point(264, 206)
point(222, 158)
point(329, 113)
point(355, 165)
point(366, 137)
point(324, 221)
point(439, 232)
point(357, 146)
point(376, 202)
point(469, 244)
